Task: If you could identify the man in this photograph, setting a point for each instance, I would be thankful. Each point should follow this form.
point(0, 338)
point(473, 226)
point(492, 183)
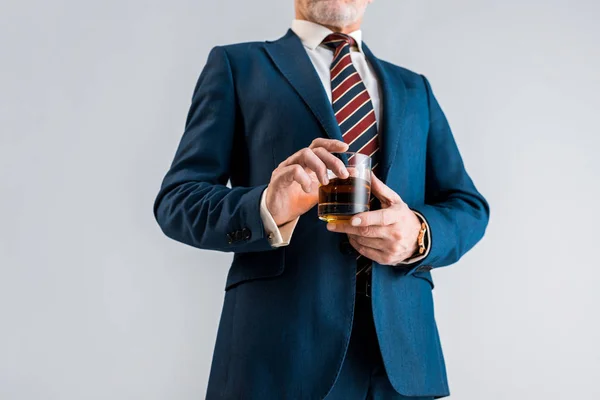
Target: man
point(315, 310)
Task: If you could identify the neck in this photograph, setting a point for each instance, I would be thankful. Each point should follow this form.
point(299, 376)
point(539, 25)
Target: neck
point(339, 29)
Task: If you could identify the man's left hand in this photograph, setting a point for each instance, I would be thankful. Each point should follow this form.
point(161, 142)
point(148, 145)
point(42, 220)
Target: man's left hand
point(387, 236)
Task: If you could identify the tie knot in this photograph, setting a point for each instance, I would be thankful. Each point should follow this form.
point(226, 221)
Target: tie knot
point(335, 40)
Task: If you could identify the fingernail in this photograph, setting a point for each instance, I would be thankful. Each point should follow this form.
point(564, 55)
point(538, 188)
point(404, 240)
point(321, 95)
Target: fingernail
point(355, 222)
point(325, 180)
point(331, 226)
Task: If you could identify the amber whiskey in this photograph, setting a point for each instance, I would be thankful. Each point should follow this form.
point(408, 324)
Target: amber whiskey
point(343, 198)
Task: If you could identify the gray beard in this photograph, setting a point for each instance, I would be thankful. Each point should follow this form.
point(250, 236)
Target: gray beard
point(322, 12)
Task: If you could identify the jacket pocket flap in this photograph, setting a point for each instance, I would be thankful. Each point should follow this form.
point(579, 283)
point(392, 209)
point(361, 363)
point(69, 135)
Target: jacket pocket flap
point(424, 275)
point(258, 265)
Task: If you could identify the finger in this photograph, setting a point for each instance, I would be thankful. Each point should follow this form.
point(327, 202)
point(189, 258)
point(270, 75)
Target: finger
point(365, 231)
point(332, 162)
point(383, 192)
point(374, 243)
point(331, 145)
point(376, 255)
point(308, 159)
point(295, 173)
point(383, 217)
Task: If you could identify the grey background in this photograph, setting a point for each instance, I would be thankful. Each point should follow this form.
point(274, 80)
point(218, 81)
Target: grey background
point(95, 303)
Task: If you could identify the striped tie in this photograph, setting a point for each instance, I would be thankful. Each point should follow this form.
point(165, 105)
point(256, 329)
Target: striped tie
point(353, 109)
point(351, 102)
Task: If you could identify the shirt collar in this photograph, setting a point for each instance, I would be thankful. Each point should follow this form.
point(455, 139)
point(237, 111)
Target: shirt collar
point(312, 34)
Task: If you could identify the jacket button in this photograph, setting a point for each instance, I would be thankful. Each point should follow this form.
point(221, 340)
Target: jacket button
point(346, 248)
point(230, 238)
point(238, 235)
point(246, 234)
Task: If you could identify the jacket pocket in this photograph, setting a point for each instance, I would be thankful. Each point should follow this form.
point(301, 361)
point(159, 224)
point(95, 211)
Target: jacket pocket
point(248, 267)
point(425, 275)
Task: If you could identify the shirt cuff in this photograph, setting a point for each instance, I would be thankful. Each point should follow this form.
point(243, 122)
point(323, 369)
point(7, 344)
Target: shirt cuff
point(278, 236)
point(420, 257)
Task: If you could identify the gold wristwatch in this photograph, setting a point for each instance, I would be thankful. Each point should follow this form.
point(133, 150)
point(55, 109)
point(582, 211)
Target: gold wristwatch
point(421, 239)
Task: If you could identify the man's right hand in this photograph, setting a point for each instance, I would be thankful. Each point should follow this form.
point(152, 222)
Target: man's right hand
point(294, 185)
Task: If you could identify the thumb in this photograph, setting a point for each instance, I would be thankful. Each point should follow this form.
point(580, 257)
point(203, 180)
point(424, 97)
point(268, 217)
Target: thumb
point(383, 192)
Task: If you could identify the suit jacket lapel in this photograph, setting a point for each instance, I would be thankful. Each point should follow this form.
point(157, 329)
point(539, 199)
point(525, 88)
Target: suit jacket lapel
point(394, 98)
point(291, 59)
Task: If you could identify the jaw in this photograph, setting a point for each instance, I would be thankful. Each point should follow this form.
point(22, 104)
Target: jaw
point(339, 16)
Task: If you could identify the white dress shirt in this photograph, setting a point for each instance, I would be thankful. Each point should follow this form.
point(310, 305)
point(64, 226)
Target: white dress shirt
point(312, 35)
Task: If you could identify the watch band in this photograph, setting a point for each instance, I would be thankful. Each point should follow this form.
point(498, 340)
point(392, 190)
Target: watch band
point(421, 239)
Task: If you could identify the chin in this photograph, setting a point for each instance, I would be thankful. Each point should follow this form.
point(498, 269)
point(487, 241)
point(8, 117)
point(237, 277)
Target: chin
point(334, 13)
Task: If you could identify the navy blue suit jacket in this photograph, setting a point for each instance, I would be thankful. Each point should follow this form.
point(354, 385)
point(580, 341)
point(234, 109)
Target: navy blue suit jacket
point(288, 312)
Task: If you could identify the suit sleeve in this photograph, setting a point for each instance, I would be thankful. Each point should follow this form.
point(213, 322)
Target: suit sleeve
point(194, 206)
point(457, 214)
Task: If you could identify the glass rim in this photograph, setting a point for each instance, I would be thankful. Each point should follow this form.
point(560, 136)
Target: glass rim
point(353, 153)
point(354, 159)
